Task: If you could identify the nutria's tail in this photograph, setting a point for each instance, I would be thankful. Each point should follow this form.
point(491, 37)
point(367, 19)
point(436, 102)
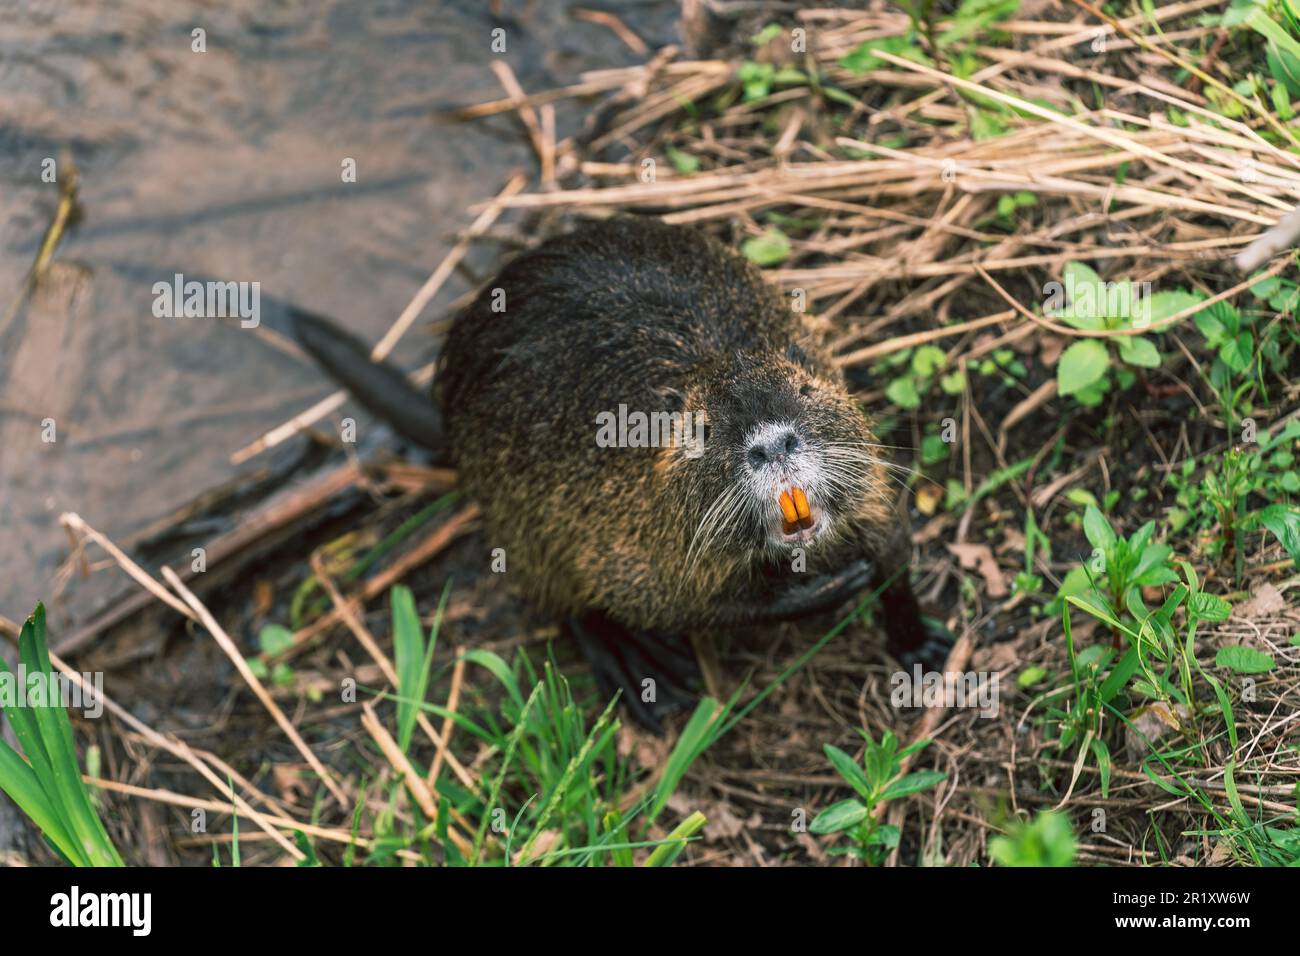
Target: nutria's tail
point(379, 386)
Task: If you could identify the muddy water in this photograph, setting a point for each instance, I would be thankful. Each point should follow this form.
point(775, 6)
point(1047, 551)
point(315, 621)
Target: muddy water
point(226, 165)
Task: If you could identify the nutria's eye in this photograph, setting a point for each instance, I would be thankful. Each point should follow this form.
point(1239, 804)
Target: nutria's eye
point(806, 389)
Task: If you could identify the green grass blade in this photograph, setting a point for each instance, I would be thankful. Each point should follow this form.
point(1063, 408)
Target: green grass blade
point(408, 650)
point(499, 669)
point(561, 788)
point(56, 734)
point(672, 847)
point(18, 780)
point(495, 790)
point(693, 741)
point(234, 824)
point(421, 687)
point(28, 733)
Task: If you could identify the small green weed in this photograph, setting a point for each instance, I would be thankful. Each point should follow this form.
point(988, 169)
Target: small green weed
point(878, 780)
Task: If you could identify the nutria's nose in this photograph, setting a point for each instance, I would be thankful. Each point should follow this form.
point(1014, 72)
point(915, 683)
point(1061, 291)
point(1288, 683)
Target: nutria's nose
point(775, 445)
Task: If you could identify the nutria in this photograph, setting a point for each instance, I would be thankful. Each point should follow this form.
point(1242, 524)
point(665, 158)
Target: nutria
point(782, 510)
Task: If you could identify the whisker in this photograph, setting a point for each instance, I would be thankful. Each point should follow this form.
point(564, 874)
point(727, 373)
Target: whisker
point(707, 529)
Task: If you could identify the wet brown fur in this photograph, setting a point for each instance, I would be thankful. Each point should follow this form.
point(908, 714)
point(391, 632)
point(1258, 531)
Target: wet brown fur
point(658, 318)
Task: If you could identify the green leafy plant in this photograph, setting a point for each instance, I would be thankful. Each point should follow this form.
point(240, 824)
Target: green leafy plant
point(1284, 522)
point(1167, 651)
point(969, 20)
point(1096, 679)
point(1088, 302)
point(1011, 203)
point(273, 639)
point(771, 247)
point(758, 79)
point(974, 17)
point(1243, 660)
point(1225, 490)
point(1120, 568)
point(1148, 652)
point(1159, 663)
point(45, 781)
point(1229, 335)
point(1027, 581)
point(766, 35)
point(878, 780)
point(684, 163)
point(862, 59)
point(957, 499)
point(1280, 293)
point(933, 448)
point(920, 368)
point(1217, 492)
point(1247, 345)
point(1047, 840)
point(1278, 23)
point(1004, 365)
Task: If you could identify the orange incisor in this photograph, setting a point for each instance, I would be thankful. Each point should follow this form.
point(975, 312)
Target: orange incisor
point(795, 512)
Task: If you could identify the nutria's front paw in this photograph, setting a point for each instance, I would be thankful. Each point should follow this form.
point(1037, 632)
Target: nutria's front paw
point(932, 650)
point(809, 594)
point(827, 591)
point(654, 670)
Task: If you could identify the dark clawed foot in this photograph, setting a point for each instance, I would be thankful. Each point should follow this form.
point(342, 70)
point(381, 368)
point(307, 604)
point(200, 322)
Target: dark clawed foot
point(823, 592)
point(931, 652)
point(622, 659)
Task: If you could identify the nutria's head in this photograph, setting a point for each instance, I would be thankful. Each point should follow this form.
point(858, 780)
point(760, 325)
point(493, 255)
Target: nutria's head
point(787, 456)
